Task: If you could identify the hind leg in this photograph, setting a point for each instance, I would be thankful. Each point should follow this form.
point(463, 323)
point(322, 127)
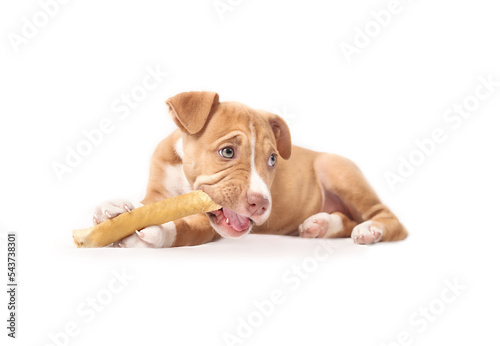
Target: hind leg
point(375, 221)
point(380, 225)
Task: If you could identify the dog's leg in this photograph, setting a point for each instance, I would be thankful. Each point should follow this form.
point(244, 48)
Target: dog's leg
point(188, 231)
point(194, 230)
point(373, 221)
point(324, 225)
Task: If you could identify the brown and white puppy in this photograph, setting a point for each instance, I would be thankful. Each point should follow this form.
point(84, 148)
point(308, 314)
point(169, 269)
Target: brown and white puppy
point(244, 160)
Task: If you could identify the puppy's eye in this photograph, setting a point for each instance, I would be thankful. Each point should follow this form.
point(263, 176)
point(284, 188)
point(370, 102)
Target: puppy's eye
point(227, 152)
point(272, 160)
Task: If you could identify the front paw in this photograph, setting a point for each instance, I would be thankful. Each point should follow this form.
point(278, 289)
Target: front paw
point(321, 225)
point(315, 226)
point(110, 209)
point(152, 237)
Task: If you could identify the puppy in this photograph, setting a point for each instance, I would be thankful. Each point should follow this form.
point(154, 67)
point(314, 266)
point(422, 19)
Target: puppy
point(244, 160)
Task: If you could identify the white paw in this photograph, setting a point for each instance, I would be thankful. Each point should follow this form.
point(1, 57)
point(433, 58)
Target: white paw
point(152, 236)
point(110, 209)
point(320, 225)
point(132, 241)
point(367, 232)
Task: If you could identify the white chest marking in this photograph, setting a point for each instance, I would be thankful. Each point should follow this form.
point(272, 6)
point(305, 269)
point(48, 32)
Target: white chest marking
point(176, 182)
point(178, 148)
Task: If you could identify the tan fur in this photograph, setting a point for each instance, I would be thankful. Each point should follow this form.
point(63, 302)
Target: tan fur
point(302, 184)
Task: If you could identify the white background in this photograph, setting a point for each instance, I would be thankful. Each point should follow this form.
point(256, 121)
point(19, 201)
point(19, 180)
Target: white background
point(283, 56)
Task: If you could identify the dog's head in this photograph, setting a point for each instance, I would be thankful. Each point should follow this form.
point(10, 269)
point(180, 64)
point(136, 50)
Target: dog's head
point(230, 151)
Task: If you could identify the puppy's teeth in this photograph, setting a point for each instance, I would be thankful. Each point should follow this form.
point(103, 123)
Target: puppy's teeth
point(227, 220)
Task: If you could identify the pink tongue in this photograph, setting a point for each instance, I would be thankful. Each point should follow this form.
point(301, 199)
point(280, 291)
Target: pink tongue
point(238, 222)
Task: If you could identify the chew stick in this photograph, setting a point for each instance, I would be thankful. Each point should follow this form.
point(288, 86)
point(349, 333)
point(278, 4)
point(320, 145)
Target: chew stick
point(158, 213)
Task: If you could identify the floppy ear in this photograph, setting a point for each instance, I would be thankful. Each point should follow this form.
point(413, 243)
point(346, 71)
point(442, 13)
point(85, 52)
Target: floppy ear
point(190, 110)
point(282, 134)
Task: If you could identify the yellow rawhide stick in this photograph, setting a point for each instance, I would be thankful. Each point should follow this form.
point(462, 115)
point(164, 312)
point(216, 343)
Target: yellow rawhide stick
point(125, 224)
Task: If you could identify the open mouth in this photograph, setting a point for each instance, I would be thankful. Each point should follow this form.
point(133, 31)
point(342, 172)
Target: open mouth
point(230, 224)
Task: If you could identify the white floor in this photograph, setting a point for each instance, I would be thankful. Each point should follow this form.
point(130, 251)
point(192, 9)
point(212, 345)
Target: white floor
point(438, 287)
point(308, 291)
